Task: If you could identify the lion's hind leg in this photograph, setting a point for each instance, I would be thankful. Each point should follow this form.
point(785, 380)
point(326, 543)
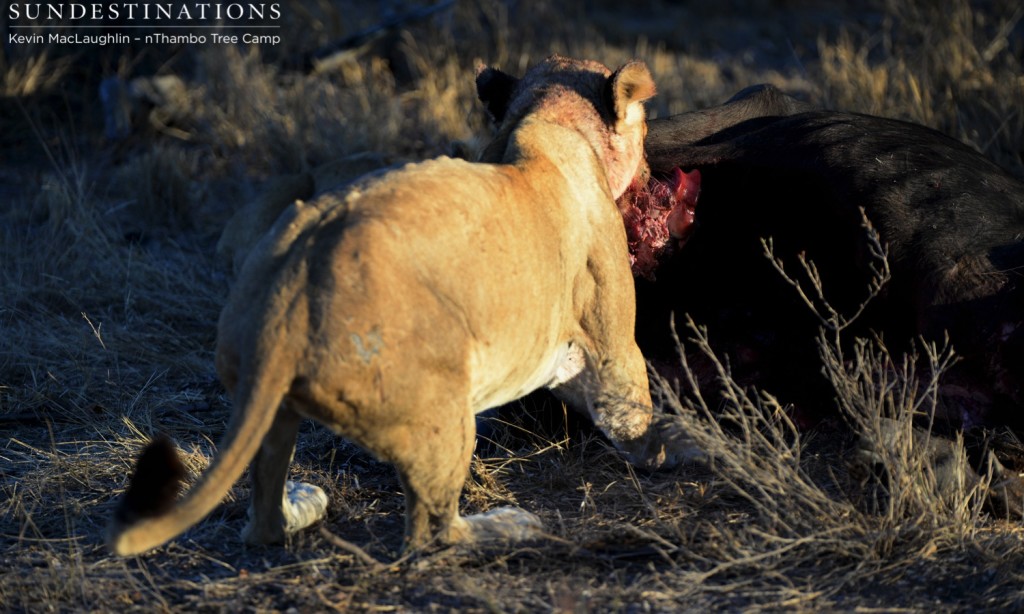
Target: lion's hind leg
point(280, 507)
point(433, 473)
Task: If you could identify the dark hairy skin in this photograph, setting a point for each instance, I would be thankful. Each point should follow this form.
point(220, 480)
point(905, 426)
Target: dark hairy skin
point(953, 223)
point(666, 135)
point(771, 167)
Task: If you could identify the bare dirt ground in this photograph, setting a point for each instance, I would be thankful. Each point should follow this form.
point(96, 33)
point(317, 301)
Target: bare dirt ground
point(110, 292)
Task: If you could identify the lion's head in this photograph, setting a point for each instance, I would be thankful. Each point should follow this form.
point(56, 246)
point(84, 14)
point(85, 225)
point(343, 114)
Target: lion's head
point(552, 89)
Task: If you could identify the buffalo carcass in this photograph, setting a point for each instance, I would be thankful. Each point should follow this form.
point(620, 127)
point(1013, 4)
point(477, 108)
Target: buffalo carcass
point(767, 165)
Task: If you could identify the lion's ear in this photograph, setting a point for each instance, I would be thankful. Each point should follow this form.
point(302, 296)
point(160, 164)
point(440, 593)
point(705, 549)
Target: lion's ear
point(628, 88)
point(495, 90)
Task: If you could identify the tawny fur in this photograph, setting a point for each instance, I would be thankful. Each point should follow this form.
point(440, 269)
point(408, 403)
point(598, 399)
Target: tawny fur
point(396, 309)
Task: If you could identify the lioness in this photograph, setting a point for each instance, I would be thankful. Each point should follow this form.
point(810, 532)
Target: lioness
point(395, 310)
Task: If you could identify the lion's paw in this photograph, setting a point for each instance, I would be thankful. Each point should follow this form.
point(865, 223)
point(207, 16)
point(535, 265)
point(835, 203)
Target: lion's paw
point(503, 524)
point(670, 445)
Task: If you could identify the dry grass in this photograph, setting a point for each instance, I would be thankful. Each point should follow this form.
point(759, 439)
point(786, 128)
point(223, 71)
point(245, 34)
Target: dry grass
point(944, 66)
point(109, 296)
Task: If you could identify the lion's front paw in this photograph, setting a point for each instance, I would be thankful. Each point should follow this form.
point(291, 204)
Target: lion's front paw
point(669, 445)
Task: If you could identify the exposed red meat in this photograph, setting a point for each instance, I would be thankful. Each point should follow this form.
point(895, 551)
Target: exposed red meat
point(659, 218)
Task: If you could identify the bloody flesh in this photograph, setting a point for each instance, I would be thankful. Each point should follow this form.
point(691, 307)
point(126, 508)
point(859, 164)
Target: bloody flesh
point(659, 217)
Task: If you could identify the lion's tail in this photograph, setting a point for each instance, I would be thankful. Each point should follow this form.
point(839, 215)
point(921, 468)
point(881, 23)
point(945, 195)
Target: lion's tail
point(148, 515)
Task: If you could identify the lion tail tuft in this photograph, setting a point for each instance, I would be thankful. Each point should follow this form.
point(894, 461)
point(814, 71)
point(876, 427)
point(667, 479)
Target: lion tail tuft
point(155, 485)
point(151, 515)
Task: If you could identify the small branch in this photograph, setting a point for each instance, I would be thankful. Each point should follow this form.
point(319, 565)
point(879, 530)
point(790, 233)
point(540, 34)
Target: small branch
point(361, 555)
point(831, 319)
point(366, 558)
